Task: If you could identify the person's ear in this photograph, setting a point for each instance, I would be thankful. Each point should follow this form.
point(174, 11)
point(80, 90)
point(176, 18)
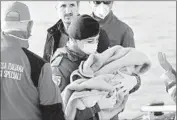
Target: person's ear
point(29, 26)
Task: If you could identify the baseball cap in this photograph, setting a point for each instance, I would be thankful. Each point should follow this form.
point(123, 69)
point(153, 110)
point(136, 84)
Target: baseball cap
point(16, 16)
point(83, 27)
point(17, 11)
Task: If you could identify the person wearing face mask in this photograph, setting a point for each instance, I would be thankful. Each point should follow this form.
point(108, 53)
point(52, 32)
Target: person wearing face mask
point(57, 35)
point(27, 89)
point(118, 32)
point(83, 41)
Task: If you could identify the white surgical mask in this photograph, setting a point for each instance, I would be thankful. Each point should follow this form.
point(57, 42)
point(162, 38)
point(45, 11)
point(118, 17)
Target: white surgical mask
point(89, 48)
point(88, 45)
point(102, 11)
point(16, 26)
point(23, 39)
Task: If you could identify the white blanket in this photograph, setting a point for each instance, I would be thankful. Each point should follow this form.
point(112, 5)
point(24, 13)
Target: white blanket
point(98, 72)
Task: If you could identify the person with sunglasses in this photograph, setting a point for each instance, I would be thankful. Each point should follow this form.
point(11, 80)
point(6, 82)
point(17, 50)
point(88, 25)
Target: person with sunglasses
point(118, 32)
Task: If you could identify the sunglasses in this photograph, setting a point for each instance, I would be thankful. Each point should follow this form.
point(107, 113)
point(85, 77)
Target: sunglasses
point(104, 2)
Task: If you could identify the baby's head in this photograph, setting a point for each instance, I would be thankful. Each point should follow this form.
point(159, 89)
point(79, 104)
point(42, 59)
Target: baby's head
point(134, 69)
point(128, 70)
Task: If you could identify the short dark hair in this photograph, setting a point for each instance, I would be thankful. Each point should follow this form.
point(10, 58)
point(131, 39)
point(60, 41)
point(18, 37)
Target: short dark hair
point(78, 2)
point(83, 27)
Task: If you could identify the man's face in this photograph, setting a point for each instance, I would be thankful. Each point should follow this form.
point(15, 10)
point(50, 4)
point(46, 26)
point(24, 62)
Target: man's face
point(101, 8)
point(67, 10)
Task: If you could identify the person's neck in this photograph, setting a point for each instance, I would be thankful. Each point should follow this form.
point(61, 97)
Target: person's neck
point(66, 25)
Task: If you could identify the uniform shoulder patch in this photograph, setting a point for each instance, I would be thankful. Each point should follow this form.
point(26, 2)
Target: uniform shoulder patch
point(56, 79)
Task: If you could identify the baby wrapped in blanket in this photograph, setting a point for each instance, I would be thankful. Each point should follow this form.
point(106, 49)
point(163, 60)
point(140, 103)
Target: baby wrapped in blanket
point(99, 73)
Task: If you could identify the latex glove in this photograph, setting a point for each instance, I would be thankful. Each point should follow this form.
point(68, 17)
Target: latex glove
point(120, 98)
point(127, 82)
point(108, 114)
point(107, 103)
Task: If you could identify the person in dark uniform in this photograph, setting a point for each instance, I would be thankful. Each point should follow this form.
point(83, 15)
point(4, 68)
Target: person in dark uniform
point(83, 41)
point(27, 89)
point(57, 35)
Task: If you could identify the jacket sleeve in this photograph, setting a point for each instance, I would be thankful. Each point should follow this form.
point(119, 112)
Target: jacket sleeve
point(48, 48)
point(60, 72)
point(171, 89)
point(87, 113)
point(174, 73)
point(49, 96)
point(128, 38)
point(103, 41)
point(171, 86)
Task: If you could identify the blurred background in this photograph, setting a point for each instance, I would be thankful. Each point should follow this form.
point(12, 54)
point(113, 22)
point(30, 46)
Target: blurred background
point(154, 26)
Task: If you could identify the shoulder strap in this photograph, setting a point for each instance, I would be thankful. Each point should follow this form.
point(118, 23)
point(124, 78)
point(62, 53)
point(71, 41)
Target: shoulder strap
point(36, 64)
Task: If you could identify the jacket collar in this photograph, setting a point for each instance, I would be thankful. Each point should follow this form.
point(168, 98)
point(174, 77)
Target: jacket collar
point(59, 26)
point(74, 56)
point(9, 41)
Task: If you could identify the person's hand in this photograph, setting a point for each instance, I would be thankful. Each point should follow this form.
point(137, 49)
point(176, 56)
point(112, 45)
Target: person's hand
point(107, 103)
point(127, 82)
point(163, 62)
point(108, 114)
